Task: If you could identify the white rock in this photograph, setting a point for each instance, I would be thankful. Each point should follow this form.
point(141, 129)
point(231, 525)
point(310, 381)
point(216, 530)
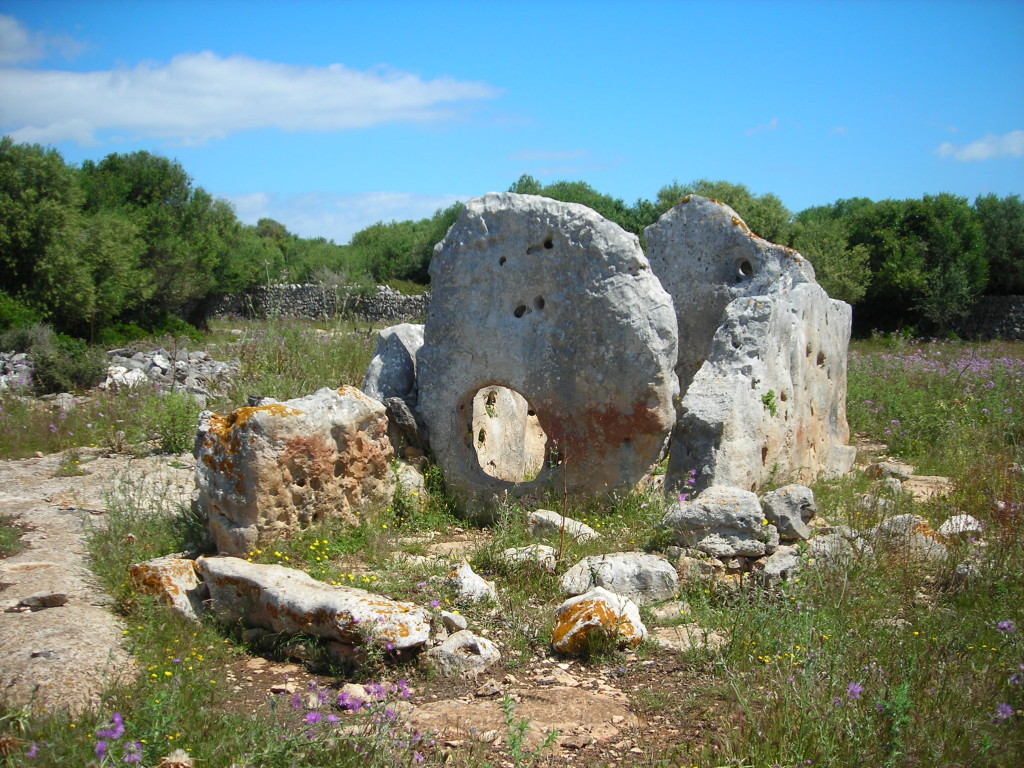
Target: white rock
point(541, 554)
point(288, 600)
point(790, 509)
point(960, 525)
point(453, 622)
point(470, 585)
point(722, 522)
point(268, 470)
point(544, 522)
point(762, 353)
point(175, 581)
point(557, 304)
point(641, 577)
point(392, 370)
point(463, 654)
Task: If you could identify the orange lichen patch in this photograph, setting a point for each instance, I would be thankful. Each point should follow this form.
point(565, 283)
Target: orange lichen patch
point(738, 222)
point(570, 631)
point(163, 578)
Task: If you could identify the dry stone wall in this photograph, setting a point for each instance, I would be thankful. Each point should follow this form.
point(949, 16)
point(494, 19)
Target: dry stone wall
point(316, 301)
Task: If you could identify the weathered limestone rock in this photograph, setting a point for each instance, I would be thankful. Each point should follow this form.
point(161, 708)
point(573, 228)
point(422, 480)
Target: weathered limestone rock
point(790, 509)
point(641, 577)
point(597, 610)
point(961, 526)
point(542, 522)
point(911, 536)
point(264, 471)
point(463, 654)
point(174, 580)
point(722, 522)
point(686, 638)
point(762, 353)
point(288, 600)
point(392, 371)
point(470, 585)
point(541, 554)
point(783, 563)
point(559, 307)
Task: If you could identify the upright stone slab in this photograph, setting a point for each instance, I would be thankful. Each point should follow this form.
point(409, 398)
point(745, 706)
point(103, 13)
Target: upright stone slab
point(548, 305)
point(762, 361)
point(392, 370)
point(267, 470)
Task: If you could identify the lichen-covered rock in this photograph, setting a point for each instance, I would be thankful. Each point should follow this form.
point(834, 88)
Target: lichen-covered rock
point(463, 654)
point(559, 306)
point(641, 577)
point(287, 600)
point(267, 470)
point(596, 611)
point(722, 522)
point(790, 509)
point(174, 580)
point(762, 353)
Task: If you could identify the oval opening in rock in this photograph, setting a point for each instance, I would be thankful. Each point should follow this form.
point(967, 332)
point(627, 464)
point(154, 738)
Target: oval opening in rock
point(509, 442)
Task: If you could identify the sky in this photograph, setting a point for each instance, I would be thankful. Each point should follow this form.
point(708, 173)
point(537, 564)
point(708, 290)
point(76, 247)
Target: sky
point(331, 116)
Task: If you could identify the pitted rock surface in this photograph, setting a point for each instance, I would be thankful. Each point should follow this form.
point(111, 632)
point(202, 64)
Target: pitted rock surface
point(270, 469)
point(762, 358)
point(559, 305)
point(288, 600)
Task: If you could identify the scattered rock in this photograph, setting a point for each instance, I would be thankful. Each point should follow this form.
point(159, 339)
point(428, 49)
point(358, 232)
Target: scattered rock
point(544, 522)
point(453, 622)
point(470, 585)
point(687, 637)
point(670, 611)
point(910, 535)
point(541, 554)
point(722, 522)
point(781, 565)
point(392, 370)
point(790, 509)
point(173, 580)
point(639, 576)
point(884, 469)
point(463, 654)
point(601, 611)
point(960, 525)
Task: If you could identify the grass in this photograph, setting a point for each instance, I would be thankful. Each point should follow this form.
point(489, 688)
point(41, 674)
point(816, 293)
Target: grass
point(10, 537)
point(883, 662)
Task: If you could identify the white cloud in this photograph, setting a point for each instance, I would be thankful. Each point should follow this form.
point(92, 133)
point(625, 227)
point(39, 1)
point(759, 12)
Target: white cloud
point(197, 97)
point(986, 148)
point(337, 217)
point(19, 46)
point(771, 125)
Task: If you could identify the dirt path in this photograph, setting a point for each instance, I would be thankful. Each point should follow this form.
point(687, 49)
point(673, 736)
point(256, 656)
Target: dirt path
point(60, 644)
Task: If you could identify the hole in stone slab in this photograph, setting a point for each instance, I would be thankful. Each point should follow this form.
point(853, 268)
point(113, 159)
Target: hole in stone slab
point(549, 243)
point(783, 396)
point(538, 302)
point(509, 443)
point(764, 454)
point(821, 359)
point(521, 310)
point(744, 269)
point(810, 351)
point(501, 261)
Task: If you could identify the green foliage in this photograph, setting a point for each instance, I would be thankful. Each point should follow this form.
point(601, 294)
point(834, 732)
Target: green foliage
point(15, 314)
point(765, 215)
point(1002, 224)
point(60, 363)
point(843, 271)
point(10, 537)
point(401, 250)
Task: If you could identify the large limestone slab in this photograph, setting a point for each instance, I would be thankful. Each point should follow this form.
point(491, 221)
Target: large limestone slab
point(267, 470)
point(392, 370)
point(557, 305)
point(288, 600)
point(641, 577)
point(762, 365)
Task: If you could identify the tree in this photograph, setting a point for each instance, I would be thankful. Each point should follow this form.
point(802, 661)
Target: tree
point(840, 269)
point(765, 215)
point(1002, 226)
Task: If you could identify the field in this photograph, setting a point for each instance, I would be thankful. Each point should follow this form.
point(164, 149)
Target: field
point(886, 661)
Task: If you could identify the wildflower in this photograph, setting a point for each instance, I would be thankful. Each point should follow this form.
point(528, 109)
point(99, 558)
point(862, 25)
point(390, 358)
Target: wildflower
point(32, 751)
point(417, 757)
point(313, 718)
point(101, 750)
point(296, 702)
point(435, 603)
point(1006, 627)
point(117, 731)
point(133, 752)
point(1003, 712)
point(854, 690)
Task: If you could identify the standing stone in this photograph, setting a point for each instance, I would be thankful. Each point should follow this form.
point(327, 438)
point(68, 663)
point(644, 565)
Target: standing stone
point(558, 306)
point(265, 471)
point(762, 353)
point(392, 371)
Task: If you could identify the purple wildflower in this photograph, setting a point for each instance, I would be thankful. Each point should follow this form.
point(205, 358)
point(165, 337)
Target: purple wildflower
point(32, 751)
point(117, 731)
point(435, 603)
point(1003, 712)
point(313, 718)
point(101, 750)
point(836, 701)
point(1006, 627)
point(296, 701)
point(854, 690)
point(133, 752)
point(417, 757)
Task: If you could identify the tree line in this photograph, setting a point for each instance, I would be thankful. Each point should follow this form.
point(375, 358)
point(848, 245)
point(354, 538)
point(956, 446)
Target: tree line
point(130, 241)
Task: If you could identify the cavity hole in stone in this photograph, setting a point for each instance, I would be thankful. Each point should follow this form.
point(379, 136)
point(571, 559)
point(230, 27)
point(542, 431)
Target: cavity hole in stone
point(764, 455)
point(538, 302)
point(509, 443)
point(521, 310)
point(744, 268)
point(501, 261)
point(809, 350)
point(783, 396)
point(821, 359)
point(549, 243)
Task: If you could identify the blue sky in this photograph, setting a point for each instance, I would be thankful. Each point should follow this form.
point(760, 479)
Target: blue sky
point(331, 116)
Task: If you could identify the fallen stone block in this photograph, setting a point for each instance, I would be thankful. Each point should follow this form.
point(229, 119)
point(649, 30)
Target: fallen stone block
point(287, 600)
point(540, 554)
point(463, 654)
point(471, 586)
point(596, 611)
point(722, 522)
point(173, 580)
point(790, 509)
point(266, 471)
point(641, 577)
point(544, 522)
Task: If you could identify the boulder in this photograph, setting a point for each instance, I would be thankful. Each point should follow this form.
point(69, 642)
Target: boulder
point(558, 308)
point(544, 522)
point(790, 509)
point(783, 563)
point(641, 577)
point(596, 611)
point(762, 354)
point(961, 526)
point(470, 585)
point(173, 580)
point(911, 536)
point(266, 470)
point(290, 601)
point(463, 654)
point(392, 370)
point(722, 522)
point(541, 554)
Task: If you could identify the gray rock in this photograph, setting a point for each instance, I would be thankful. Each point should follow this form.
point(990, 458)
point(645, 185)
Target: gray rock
point(544, 522)
point(641, 577)
point(762, 353)
point(470, 586)
point(790, 509)
point(912, 536)
point(557, 304)
point(781, 565)
point(392, 370)
point(960, 525)
point(541, 554)
point(463, 654)
point(453, 622)
point(722, 522)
